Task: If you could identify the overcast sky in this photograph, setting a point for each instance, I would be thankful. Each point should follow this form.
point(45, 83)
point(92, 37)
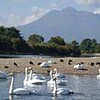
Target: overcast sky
point(19, 12)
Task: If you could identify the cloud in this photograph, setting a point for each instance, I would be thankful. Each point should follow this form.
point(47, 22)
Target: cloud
point(29, 19)
point(89, 2)
point(18, 0)
point(16, 20)
point(97, 11)
point(36, 14)
point(10, 20)
point(39, 11)
point(13, 20)
point(53, 5)
point(2, 20)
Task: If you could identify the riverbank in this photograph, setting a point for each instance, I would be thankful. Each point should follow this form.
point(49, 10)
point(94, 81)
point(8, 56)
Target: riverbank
point(65, 65)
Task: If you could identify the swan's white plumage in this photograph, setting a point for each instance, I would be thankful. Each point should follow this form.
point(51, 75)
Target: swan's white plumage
point(98, 76)
point(44, 65)
point(58, 81)
point(51, 82)
point(22, 91)
point(60, 91)
point(59, 75)
point(32, 79)
point(18, 91)
point(79, 66)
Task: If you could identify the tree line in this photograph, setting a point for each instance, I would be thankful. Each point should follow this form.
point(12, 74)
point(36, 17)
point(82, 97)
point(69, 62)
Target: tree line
point(12, 42)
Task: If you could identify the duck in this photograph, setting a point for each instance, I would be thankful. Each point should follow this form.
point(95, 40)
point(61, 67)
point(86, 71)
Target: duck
point(18, 91)
point(98, 76)
point(60, 91)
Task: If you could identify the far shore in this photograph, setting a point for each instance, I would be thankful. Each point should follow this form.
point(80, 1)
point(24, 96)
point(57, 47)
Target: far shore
point(18, 65)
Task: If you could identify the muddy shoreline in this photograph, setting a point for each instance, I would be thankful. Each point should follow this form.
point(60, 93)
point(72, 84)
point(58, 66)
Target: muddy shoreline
point(19, 64)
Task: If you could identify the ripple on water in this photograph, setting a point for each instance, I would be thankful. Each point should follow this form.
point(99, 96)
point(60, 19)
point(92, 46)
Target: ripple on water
point(85, 88)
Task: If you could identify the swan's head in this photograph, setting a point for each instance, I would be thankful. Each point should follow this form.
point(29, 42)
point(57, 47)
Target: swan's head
point(30, 68)
point(26, 69)
point(55, 69)
point(99, 70)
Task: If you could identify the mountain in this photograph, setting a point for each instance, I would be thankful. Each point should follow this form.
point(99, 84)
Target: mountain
point(68, 23)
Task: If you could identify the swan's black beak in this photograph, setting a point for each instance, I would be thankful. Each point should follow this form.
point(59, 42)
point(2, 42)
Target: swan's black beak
point(54, 79)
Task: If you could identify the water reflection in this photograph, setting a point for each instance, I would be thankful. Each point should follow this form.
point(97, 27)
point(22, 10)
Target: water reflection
point(85, 88)
point(3, 80)
point(54, 98)
point(11, 97)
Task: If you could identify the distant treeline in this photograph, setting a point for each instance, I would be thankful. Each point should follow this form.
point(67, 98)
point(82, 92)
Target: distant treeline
point(11, 42)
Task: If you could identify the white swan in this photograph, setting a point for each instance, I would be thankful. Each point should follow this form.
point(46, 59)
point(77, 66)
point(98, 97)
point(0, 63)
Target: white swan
point(36, 79)
point(51, 61)
point(98, 76)
point(44, 65)
point(33, 75)
point(58, 75)
point(59, 81)
point(30, 81)
point(18, 91)
point(3, 75)
point(60, 91)
point(51, 82)
point(79, 66)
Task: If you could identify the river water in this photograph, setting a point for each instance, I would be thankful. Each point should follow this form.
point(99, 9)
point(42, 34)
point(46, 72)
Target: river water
point(85, 88)
point(22, 56)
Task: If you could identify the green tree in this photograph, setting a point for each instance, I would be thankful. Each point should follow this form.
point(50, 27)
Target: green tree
point(97, 48)
point(11, 40)
point(57, 40)
point(34, 38)
point(88, 45)
point(85, 45)
point(93, 45)
point(75, 50)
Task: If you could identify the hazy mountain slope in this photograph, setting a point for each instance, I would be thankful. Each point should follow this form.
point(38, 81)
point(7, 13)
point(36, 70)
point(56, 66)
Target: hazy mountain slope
point(67, 23)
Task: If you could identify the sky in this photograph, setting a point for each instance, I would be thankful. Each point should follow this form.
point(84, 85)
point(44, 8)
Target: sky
point(21, 12)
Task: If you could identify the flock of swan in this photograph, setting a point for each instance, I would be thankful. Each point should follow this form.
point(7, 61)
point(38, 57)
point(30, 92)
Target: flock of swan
point(33, 78)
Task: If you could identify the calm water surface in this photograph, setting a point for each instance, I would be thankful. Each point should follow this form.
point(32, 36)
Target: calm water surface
point(85, 88)
point(22, 56)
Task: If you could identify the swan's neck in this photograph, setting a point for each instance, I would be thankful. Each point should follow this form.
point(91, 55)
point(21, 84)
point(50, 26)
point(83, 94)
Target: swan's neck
point(11, 85)
point(51, 76)
point(56, 72)
point(30, 76)
point(26, 74)
point(55, 87)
